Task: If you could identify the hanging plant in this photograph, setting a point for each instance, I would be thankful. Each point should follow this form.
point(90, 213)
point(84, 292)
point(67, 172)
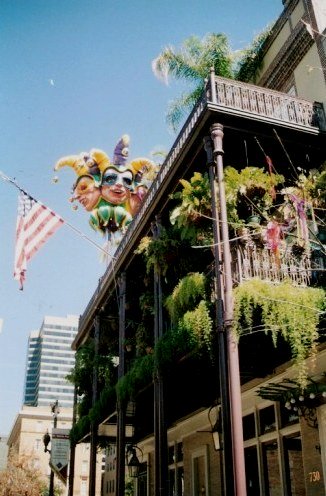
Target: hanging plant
point(144, 337)
point(303, 210)
point(139, 376)
point(250, 191)
point(310, 187)
point(199, 323)
point(185, 295)
point(193, 214)
point(294, 312)
point(159, 252)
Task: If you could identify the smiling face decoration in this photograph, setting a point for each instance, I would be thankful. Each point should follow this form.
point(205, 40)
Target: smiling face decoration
point(111, 191)
point(116, 186)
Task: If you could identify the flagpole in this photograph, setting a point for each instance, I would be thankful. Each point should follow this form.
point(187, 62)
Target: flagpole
point(73, 228)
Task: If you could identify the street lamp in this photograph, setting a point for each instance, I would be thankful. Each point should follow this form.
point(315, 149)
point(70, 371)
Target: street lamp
point(46, 440)
point(133, 462)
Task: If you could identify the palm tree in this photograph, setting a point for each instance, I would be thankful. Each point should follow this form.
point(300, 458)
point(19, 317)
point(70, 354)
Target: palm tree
point(193, 62)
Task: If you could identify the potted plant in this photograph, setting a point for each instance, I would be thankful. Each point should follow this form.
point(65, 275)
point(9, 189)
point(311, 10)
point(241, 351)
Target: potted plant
point(250, 194)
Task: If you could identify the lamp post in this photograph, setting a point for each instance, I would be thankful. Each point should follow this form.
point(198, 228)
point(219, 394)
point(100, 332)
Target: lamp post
point(133, 462)
point(46, 440)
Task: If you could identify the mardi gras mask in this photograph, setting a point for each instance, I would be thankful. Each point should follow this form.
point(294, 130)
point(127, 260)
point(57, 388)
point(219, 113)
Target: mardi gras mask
point(87, 192)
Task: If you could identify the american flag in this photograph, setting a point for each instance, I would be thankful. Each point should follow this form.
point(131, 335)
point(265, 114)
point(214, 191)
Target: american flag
point(35, 224)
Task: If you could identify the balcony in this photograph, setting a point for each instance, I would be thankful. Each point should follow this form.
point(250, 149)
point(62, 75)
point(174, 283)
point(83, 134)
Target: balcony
point(226, 100)
point(264, 104)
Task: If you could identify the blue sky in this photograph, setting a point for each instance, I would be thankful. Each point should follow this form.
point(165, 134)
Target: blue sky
point(76, 74)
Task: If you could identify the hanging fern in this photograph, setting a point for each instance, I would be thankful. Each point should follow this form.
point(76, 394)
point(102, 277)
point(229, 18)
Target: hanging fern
point(294, 312)
point(199, 323)
point(160, 252)
point(185, 295)
point(190, 216)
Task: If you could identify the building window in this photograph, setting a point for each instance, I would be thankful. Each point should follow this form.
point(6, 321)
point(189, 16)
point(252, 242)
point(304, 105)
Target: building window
point(249, 426)
point(272, 475)
point(288, 417)
point(294, 465)
point(37, 444)
point(179, 452)
point(252, 473)
point(267, 420)
point(175, 457)
point(273, 456)
point(200, 471)
point(84, 468)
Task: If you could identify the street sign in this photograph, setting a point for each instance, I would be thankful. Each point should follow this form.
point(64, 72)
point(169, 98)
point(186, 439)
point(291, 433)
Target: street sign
point(60, 449)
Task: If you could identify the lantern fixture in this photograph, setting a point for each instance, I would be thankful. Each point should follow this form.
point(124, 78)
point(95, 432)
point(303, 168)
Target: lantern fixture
point(133, 462)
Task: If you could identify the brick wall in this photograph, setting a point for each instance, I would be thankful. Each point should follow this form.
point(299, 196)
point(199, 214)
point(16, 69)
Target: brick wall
point(312, 463)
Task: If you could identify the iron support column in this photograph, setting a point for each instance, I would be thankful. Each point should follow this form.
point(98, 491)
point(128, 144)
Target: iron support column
point(93, 446)
point(232, 345)
point(227, 458)
point(55, 411)
point(160, 431)
point(121, 417)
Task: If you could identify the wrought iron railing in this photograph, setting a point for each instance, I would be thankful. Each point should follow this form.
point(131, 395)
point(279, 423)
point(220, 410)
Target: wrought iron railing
point(250, 262)
point(264, 103)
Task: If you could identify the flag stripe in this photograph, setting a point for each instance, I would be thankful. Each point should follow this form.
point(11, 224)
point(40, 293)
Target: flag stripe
point(45, 223)
point(35, 224)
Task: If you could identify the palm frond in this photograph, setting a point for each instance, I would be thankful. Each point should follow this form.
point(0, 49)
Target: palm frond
point(173, 64)
point(251, 58)
point(181, 106)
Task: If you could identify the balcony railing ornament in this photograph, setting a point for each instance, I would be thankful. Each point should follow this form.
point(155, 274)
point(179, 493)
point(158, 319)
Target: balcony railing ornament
point(264, 102)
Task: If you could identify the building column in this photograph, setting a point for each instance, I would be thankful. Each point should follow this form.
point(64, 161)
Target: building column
point(229, 361)
point(224, 392)
point(160, 430)
point(121, 411)
point(94, 426)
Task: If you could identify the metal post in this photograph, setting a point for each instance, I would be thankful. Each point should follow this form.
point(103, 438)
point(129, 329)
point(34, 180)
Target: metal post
point(227, 459)
point(121, 420)
point(55, 412)
point(160, 431)
point(72, 449)
point(232, 345)
point(93, 446)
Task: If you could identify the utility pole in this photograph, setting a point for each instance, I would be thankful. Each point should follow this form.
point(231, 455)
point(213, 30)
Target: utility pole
point(224, 392)
point(232, 345)
point(72, 449)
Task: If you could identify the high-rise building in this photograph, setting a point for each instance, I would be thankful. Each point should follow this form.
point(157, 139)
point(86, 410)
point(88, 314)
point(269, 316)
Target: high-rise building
point(49, 360)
